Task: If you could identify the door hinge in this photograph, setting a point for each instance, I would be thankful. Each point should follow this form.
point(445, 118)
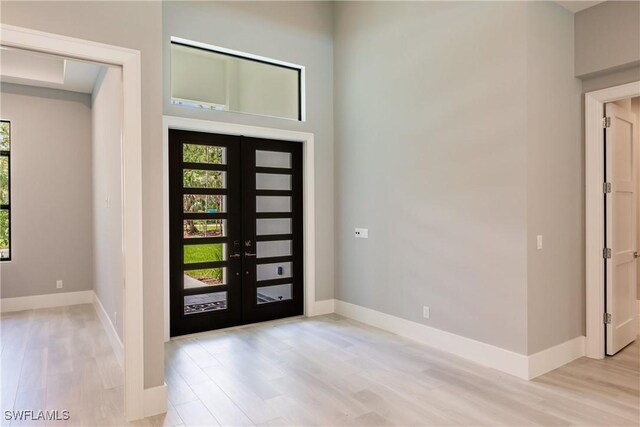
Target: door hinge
point(606, 318)
point(606, 122)
point(606, 187)
point(606, 253)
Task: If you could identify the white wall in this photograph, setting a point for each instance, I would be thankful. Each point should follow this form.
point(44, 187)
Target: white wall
point(555, 181)
point(431, 146)
point(50, 191)
point(468, 147)
point(107, 194)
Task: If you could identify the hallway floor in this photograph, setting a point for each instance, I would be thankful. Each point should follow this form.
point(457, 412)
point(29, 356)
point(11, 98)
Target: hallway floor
point(326, 370)
point(60, 358)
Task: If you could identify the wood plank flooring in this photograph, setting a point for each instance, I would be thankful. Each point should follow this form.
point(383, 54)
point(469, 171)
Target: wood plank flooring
point(326, 370)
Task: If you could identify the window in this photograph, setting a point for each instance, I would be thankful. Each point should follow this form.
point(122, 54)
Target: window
point(5, 190)
point(205, 76)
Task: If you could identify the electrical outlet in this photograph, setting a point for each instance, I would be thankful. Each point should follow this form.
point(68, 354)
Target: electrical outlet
point(58, 284)
point(539, 241)
point(362, 233)
point(107, 201)
point(426, 312)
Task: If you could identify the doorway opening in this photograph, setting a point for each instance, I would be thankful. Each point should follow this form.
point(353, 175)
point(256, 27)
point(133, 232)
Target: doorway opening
point(136, 404)
point(612, 181)
point(236, 230)
point(61, 178)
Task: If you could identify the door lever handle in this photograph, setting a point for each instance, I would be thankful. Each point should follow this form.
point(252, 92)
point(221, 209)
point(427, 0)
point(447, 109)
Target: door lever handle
point(234, 256)
point(247, 254)
point(636, 255)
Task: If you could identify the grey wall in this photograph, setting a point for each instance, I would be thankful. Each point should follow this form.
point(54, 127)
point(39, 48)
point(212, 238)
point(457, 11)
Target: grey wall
point(137, 25)
point(607, 36)
point(607, 44)
point(555, 181)
point(106, 112)
point(431, 156)
point(296, 32)
point(50, 191)
point(466, 151)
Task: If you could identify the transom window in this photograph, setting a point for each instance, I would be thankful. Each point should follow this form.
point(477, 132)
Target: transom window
point(210, 77)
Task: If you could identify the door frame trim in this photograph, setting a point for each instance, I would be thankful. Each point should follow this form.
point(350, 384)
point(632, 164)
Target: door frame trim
point(129, 60)
point(306, 138)
point(594, 212)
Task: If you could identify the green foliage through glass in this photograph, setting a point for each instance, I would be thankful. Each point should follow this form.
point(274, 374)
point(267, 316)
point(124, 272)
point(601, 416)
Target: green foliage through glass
point(5, 136)
point(4, 233)
point(5, 216)
point(192, 153)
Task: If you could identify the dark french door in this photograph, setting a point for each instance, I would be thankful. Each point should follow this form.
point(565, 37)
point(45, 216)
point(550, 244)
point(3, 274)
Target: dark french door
point(235, 230)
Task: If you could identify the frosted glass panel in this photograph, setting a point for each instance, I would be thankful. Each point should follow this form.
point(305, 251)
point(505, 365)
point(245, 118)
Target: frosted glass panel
point(273, 204)
point(273, 159)
point(273, 226)
point(273, 181)
point(276, 248)
point(204, 78)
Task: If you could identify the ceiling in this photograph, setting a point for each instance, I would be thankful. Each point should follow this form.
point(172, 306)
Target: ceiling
point(36, 69)
point(577, 6)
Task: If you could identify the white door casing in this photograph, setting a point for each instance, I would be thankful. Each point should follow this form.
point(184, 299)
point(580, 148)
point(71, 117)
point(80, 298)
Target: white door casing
point(621, 148)
point(129, 60)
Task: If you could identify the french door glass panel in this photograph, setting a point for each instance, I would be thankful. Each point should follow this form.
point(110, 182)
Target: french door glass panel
point(197, 228)
point(275, 248)
point(236, 239)
point(270, 226)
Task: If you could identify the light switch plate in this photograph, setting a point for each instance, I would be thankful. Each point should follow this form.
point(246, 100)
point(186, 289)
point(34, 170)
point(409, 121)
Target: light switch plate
point(426, 312)
point(362, 233)
point(539, 241)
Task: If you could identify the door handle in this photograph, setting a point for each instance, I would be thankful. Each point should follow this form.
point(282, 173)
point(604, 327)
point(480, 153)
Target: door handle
point(636, 255)
point(236, 249)
point(247, 254)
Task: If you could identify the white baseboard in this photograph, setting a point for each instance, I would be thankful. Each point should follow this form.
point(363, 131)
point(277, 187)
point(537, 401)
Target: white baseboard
point(519, 365)
point(547, 360)
point(323, 307)
point(114, 339)
point(476, 351)
point(155, 400)
point(45, 301)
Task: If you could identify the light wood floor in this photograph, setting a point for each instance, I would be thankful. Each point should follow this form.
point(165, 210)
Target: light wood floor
point(326, 370)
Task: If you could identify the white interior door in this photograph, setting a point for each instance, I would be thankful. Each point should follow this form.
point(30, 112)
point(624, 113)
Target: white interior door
point(621, 216)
